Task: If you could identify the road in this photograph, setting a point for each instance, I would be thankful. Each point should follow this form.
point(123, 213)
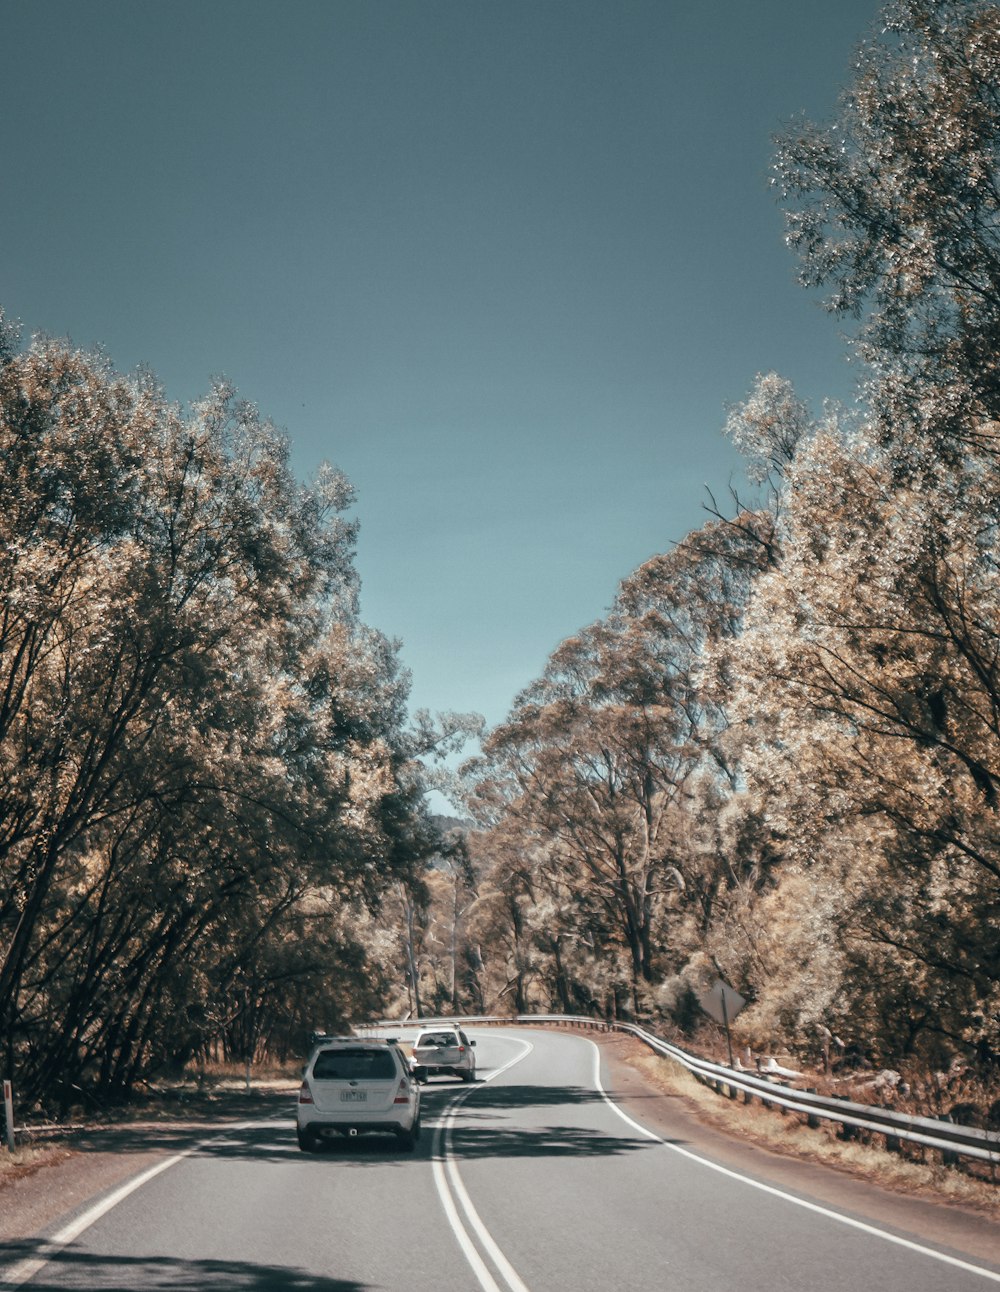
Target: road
point(535, 1179)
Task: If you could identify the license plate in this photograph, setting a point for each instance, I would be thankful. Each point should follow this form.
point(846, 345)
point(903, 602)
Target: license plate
point(354, 1096)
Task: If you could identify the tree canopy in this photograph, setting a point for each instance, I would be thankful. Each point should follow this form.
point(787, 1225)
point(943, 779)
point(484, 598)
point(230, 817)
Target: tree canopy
point(777, 758)
point(207, 782)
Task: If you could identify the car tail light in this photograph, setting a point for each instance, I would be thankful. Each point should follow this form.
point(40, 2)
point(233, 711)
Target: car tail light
point(402, 1094)
point(305, 1094)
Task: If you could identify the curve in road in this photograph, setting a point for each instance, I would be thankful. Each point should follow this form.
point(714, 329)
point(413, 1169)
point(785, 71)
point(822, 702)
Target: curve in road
point(535, 1179)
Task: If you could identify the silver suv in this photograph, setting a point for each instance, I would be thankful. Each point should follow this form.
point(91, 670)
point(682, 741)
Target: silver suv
point(443, 1049)
point(354, 1086)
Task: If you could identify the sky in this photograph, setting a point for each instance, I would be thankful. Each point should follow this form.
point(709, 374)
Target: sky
point(503, 262)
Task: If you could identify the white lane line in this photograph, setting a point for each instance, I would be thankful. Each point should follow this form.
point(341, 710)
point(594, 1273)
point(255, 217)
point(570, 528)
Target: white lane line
point(501, 1262)
point(28, 1268)
point(476, 1262)
point(19, 1274)
point(908, 1243)
point(447, 1180)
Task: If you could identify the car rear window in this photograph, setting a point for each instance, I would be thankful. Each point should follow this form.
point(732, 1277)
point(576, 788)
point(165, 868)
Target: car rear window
point(354, 1065)
point(438, 1038)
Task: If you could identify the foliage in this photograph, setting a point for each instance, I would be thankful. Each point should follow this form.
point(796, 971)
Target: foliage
point(896, 208)
point(777, 758)
point(599, 791)
point(205, 782)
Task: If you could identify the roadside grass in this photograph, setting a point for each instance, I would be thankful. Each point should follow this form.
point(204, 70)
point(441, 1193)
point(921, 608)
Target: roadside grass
point(226, 1074)
point(26, 1159)
point(789, 1135)
point(215, 1092)
point(203, 1092)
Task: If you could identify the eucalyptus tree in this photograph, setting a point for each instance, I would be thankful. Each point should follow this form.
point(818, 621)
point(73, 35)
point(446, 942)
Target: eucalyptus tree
point(200, 744)
point(591, 762)
point(867, 673)
point(73, 443)
point(603, 776)
point(896, 208)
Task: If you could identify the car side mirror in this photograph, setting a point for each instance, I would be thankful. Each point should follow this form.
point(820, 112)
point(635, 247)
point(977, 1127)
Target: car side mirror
point(472, 1043)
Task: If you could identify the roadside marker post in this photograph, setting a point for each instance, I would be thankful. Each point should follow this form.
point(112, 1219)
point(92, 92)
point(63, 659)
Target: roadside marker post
point(8, 1114)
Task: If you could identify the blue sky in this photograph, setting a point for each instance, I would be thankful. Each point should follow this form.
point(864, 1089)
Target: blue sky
point(503, 263)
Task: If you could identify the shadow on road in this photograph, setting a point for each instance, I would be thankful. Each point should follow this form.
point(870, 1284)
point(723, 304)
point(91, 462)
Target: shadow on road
point(480, 1130)
point(483, 1129)
point(542, 1141)
point(186, 1126)
point(497, 1097)
point(486, 1127)
point(71, 1268)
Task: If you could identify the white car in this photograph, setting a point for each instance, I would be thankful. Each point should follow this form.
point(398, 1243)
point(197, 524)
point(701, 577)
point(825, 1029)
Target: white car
point(443, 1049)
point(356, 1086)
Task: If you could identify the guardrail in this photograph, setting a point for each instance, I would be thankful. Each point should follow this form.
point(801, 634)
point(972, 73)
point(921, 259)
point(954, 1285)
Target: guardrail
point(951, 1140)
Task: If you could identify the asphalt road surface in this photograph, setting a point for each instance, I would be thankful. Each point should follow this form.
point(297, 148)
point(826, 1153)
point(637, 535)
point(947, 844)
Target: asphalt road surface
point(534, 1179)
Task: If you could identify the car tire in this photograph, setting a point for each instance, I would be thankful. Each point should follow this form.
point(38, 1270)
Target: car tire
point(466, 1075)
point(408, 1138)
point(420, 1075)
point(308, 1140)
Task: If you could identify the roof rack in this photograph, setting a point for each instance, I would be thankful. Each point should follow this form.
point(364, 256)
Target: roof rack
point(322, 1038)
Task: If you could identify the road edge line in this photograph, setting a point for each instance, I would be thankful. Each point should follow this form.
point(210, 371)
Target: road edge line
point(815, 1207)
point(19, 1273)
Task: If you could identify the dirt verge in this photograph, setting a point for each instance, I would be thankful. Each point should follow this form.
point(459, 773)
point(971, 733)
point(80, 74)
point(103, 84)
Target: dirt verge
point(58, 1169)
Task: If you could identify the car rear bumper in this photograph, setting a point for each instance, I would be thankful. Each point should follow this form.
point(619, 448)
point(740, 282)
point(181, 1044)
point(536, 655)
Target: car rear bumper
point(328, 1129)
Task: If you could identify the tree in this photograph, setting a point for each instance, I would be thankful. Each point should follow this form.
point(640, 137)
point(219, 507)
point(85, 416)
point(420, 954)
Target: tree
point(597, 791)
point(202, 749)
point(868, 682)
point(896, 206)
point(871, 650)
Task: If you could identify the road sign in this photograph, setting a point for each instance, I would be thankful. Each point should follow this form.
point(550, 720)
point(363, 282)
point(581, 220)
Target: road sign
point(721, 1001)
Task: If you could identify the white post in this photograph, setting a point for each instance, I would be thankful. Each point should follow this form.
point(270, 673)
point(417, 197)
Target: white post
point(8, 1114)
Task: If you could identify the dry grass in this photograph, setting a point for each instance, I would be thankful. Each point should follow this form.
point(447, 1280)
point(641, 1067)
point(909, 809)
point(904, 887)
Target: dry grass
point(219, 1091)
point(208, 1093)
point(789, 1135)
point(26, 1159)
point(227, 1075)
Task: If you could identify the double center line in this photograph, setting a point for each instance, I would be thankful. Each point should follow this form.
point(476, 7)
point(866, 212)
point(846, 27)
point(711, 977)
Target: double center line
point(465, 1221)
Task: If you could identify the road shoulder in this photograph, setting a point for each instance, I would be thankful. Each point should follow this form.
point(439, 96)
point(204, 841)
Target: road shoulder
point(83, 1163)
point(961, 1229)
